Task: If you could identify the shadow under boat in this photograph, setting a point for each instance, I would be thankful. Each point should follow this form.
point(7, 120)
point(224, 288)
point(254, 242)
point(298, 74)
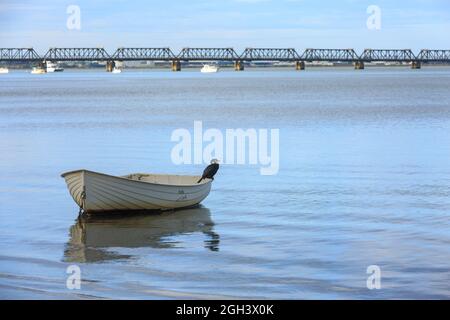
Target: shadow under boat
point(92, 235)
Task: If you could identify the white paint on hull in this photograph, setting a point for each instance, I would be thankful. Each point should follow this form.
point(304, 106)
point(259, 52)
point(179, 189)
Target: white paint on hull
point(95, 192)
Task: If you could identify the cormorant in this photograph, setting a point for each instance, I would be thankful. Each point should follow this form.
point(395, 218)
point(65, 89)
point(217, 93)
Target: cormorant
point(210, 170)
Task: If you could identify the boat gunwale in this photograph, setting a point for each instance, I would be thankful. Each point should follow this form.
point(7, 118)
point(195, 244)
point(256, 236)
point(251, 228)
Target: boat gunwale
point(63, 175)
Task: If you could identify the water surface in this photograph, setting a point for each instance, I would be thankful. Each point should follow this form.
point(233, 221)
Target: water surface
point(364, 180)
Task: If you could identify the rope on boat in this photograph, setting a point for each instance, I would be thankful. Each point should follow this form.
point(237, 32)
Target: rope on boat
point(83, 200)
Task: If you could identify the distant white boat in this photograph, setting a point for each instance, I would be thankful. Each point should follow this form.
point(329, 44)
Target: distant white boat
point(116, 70)
point(209, 68)
point(4, 70)
point(38, 70)
point(98, 192)
point(52, 67)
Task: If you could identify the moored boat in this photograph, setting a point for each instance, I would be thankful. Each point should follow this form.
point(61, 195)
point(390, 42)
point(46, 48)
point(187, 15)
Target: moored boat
point(4, 70)
point(98, 192)
point(52, 67)
point(209, 68)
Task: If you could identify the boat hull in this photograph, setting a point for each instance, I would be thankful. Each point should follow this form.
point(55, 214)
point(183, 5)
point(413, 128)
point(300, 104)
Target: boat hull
point(98, 192)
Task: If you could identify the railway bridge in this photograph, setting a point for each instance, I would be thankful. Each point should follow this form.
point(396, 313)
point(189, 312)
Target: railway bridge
point(24, 55)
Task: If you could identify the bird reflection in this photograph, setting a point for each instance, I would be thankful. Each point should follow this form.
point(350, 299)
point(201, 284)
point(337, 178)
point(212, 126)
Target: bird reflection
point(91, 236)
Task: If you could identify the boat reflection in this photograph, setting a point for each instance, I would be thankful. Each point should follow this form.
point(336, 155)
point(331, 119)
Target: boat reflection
point(91, 236)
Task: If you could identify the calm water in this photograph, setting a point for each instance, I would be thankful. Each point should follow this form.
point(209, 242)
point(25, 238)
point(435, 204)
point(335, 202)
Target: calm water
point(364, 180)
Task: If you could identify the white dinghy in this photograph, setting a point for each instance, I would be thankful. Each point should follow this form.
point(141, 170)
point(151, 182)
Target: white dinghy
point(98, 192)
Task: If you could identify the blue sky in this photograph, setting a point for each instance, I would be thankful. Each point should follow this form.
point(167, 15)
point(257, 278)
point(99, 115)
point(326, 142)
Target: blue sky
point(414, 24)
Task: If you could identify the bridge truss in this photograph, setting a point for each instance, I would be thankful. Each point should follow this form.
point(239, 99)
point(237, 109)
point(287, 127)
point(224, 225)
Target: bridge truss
point(143, 54)
point(77, 54)
point(18, 54)
point(330, 55)
point(269, 54)
point(397, 55)
point(426, 55)
point(215, 54)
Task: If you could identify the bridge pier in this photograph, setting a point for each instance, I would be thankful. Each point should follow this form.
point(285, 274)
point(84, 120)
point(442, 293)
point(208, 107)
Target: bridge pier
point(239, 65)
point(359, 65)
point(176, 65)
point(299, 65)
point(110, 66)
point(416, 64)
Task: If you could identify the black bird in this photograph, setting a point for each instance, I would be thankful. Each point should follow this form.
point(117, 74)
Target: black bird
point(210, 170)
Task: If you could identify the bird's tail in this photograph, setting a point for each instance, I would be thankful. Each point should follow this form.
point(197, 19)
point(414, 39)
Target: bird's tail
point(200, 180)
